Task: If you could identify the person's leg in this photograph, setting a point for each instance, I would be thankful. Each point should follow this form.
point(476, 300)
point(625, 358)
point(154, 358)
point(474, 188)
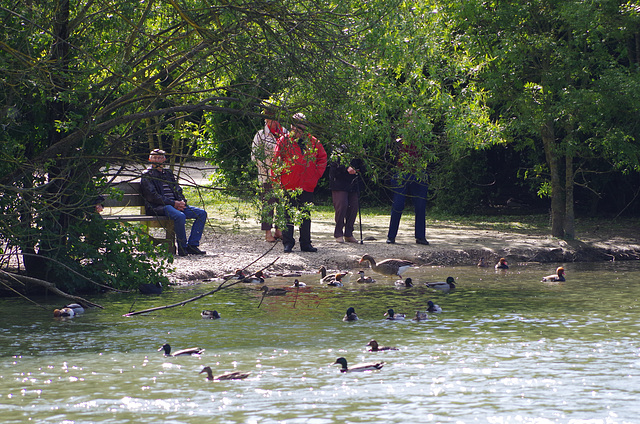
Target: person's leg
point(352, 214)
point(200, 216)
point(287, 233)
point(340, 205)
point(179, 220)
point(305, 227)
point(399, 189)
point(266, 214)
point(419, 192)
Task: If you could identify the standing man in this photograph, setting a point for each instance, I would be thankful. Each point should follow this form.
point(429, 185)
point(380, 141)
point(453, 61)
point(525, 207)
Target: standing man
point(299, 162)
point(262, 151)
point(163, 196)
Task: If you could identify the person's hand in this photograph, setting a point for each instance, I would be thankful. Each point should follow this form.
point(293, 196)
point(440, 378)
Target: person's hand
point(352, 171)
point(180, 205)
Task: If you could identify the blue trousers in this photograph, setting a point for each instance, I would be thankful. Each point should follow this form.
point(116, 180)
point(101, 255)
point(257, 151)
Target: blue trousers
point(408, 185)
point(180, 218)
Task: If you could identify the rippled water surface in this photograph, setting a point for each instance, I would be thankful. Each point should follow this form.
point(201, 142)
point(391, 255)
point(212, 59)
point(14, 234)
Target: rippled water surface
point(506, 349)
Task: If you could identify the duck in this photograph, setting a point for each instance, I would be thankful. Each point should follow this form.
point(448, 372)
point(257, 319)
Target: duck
point(150, 288)
point(421, 316)
point(76, 307)
point(257, 278)
point(277, 291)
point(433, 308)
point(337, 282)
point(237, 275)
point(350, 315)
point(558, 276)
point(481, 263)
point(391, 315)
point(331, 278)
point(408, 282)
point(369, 366)
point(391, 267)
point(297, 284)
point(443, 286)
point(235, 375)
point(364, 279)
point(63, 312)
point(502, 264)
point(376, 348)
point(191, 351)
point(207, 314)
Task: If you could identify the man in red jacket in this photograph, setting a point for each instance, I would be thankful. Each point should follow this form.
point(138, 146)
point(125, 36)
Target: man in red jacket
point(300, 161)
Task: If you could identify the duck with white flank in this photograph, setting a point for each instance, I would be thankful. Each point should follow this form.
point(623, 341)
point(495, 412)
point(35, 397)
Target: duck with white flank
point(391, 267)
point(350, 315)
point(433, 308)
point(558, 276)
point(364, 279)
point(236, 375)
point(207, 314)
point(369, 366)
point(443, 286)
point(192, 351)
point(377, 348)
point(502, 264)
point(390, 314)
point(297, 284)
point(257, 278)
point(408, 282)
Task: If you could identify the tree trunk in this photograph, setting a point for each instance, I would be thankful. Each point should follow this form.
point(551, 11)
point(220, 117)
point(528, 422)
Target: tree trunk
point(569, 217)
point(557, 198)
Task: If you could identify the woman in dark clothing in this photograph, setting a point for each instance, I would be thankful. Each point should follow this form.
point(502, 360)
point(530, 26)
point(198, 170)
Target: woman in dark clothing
point(345, 190)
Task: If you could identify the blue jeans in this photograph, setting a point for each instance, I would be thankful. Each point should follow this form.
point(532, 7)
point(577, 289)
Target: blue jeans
point(180, 218)
point(418, 190)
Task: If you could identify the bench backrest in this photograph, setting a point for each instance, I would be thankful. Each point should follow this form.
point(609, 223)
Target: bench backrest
point(131, 196)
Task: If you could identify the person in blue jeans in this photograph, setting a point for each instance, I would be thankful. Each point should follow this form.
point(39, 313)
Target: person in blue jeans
point(163, 196)
point(402, 186)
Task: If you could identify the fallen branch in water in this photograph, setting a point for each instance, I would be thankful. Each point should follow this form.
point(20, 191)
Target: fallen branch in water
point(222, 286)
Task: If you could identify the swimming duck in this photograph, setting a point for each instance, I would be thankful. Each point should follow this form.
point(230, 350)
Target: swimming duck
point(238, 275)
point(433, 308)
point(443, 286)
point(406, 283)
point(369, 366)
point(388, 266)
point(337, 282)
point(350, 315)
point(257, 278)
point(558, 276)
point(376, 348)
point(481, 263)
point(207, 314)
point(390, 314)
point(235, 375)
point(363, 279)
point(502, 264)
point(297, 284)
point(277, 291)
point(189, 351)
point(63, 312)
point(76, 307)
point(150, 288)
point(421, 316)
point(331, 278)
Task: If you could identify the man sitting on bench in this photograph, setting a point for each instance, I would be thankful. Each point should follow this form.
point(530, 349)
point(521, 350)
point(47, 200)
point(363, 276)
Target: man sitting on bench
point(163, 196)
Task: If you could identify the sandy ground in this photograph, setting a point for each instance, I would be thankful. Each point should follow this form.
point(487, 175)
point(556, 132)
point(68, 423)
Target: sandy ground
point(228, 250)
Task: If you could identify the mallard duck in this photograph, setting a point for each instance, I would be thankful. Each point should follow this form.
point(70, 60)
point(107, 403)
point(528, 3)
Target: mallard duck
point(350, 315)
point(150, 288)
point(277, 291)
point(433, 308)
point(297, 284)
point(189, 351)
point(376, 348)
point(421, 316)
point(388, 266)
point(558, 276)
point(408, 282)
point(63, 312)
point(390, 314)
point(363, 279)
point(207, 314)
point(369, 366)
point(330, 278)
point(235, 375)
point(257, 278)
point(443, 286)
point(502, 264)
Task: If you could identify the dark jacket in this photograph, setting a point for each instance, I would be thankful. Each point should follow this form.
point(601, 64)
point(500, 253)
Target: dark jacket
point(151, 185)
point(341, 180)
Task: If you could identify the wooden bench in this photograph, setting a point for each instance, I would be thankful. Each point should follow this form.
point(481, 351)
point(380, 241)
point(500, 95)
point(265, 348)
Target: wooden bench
point(132, 197)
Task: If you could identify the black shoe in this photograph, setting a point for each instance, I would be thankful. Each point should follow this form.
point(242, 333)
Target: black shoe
point(308, 248)
point(193, 250)
point(288, 248)
point(422, 241)
point(391, 241)
point(182, 251)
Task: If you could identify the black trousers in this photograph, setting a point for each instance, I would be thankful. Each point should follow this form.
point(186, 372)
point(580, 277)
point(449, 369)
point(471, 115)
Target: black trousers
point(305, 227)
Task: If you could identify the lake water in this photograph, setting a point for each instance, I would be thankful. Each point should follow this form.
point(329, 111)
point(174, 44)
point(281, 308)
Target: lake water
point(506, 349)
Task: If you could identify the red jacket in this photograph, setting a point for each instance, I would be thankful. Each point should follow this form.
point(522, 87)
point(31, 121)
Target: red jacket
point(293, 169)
